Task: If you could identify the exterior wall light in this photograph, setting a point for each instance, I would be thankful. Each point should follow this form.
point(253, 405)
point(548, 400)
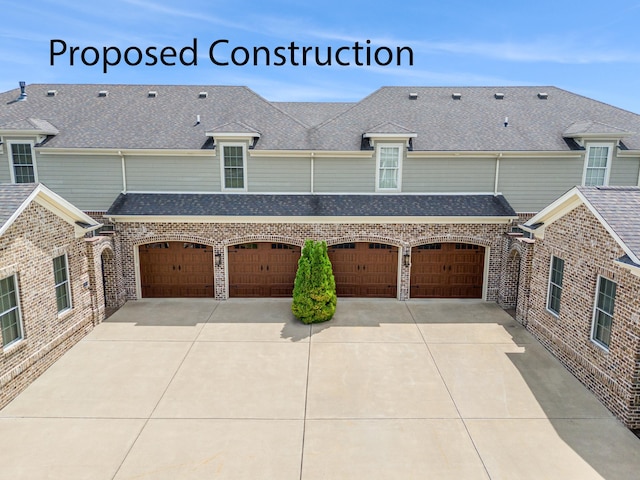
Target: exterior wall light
point(218, 259)
point(406, 259)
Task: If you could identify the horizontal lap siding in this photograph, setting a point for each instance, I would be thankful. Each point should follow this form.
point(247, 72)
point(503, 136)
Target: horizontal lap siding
point(529, 184)
point(341, 175)
point(89, 182)
point(448, 175)
point(624, 171)
point(173, 174)
point(266, 174)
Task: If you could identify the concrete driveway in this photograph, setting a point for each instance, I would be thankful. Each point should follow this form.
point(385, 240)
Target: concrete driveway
point(199, 389)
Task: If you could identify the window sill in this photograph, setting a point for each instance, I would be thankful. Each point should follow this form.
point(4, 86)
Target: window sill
point(14, 347)
point(600, 346)
point(553, 314)
point(65, 313)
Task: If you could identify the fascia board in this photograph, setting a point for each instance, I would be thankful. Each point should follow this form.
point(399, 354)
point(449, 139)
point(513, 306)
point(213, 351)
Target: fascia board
point(305, 219)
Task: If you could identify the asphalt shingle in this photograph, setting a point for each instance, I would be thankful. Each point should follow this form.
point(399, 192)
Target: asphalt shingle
point(129, 118)
point(620, 208)
point(242, 205)
point(12, 196)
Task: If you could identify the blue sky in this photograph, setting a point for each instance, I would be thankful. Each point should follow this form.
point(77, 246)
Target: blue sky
point(588, 47)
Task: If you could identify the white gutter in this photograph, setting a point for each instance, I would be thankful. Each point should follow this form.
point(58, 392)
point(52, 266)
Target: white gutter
point(312, 168)
point(495, 186)
point(124, 172)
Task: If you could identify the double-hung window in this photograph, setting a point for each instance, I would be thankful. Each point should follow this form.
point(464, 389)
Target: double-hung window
point(597, 164)
point(61, 277)
point(388, 167)
point(234, 167)
point(603, 312)
point(10, 319)
point(555, 285)
point(23, 168)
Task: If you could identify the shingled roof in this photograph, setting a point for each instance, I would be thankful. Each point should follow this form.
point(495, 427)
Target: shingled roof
point(12, 196)
point(130, 117)
point(616, 208)
point(16, 197)
point(259, 205)
point(619, 207)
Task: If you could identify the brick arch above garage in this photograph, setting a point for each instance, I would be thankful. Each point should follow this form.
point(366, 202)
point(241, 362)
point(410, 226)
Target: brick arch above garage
point(220, 235)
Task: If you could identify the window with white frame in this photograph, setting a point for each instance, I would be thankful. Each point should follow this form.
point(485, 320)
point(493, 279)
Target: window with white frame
point(603, 312)
point(23, 168)
point(388, 165)
point(597, 164)
point(234, 169)
point(555, 285)
point(61, 277)
point(10, 318)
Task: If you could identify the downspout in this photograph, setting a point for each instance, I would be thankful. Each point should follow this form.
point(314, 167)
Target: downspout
point(495, 185)
point(312, 168)
point(124, 173)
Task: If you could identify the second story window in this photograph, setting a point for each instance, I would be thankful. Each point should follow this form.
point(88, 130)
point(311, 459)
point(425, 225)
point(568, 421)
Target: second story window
point(597, 165)
point(234, 169)
point(23, 168)
point(388, 167)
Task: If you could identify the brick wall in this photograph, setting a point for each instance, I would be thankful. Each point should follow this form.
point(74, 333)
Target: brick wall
point(27, 250)
point(588, 251)
point(220, 236)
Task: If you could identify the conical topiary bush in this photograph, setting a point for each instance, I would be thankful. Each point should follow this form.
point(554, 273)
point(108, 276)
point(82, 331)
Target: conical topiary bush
point(314, 291)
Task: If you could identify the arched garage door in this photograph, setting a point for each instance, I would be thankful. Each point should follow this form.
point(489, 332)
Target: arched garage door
point(176, 269)
point(262, 269)
point(447, 270)
point(363, 269)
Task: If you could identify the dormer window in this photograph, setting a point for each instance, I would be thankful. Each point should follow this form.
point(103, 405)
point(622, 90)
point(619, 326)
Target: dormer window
point(388, 167)
point(597, 164)
point(234, 166)
point(23, 168)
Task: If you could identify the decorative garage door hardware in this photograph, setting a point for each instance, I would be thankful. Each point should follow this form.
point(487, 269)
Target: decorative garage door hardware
point(176, 269)
point(262, 269)
point(447, 270)
point(363, 269)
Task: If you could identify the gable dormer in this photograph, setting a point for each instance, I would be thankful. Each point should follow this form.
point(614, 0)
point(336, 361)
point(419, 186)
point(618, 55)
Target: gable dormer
point(599, 141)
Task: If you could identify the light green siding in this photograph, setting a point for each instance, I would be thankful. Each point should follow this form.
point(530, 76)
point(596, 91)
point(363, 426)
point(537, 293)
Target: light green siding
point(266, 174)
point(624, 171)
point(533, 183)
point(448, 175)
point(5, 174)
point(90, 182)
point(344, 175)
point(172, 174)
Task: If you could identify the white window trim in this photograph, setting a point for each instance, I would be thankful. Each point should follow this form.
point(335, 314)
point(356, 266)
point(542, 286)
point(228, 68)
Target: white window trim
point(17, 341)
point(10, 157)
point(63, 312)
point(607, 172)
point(400, 147)
point(555, 314)
point(220, 148)
point(597, 342)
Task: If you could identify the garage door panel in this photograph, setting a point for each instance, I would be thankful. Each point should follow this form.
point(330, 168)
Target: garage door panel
point(262, 269)
point(447, 270)
point(364, 269)
point(176, 269)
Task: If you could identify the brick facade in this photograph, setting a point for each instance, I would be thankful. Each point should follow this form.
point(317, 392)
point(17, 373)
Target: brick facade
point(220, 236)
point(588, 251)
point(27, 251)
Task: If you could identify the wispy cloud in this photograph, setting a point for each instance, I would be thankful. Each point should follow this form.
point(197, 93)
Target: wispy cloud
point(564, 50)
point(184, 13)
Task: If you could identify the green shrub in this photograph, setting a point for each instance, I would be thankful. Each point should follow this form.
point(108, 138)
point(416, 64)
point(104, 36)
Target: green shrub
point(314, 291)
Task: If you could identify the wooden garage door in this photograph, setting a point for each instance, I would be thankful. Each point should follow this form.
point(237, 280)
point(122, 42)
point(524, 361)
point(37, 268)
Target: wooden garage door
point(447, 270)
point(262, 269)
point(365, 269)
point(176, 269)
